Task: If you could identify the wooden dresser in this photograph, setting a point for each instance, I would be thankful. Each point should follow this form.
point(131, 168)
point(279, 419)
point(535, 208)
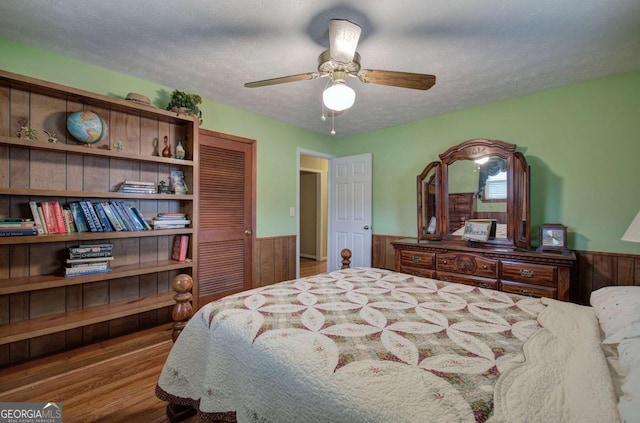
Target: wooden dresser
point(510, 270)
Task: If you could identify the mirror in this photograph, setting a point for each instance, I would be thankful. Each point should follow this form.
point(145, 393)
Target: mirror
point(477, 179)
point(429, 219)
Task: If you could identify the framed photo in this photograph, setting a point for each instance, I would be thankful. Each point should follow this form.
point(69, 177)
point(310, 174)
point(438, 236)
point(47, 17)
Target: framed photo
point(476, 230)
point(553, 237)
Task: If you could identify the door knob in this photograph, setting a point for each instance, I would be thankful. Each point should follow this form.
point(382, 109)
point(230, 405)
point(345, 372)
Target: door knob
point(247, 232)
point(366, 227)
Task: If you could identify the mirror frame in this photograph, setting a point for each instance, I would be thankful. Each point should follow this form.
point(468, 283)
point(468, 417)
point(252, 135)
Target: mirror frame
point(423, 216)
point(518, 192)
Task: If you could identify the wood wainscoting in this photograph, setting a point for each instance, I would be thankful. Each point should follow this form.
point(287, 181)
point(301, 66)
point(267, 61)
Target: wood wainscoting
point(276, 261)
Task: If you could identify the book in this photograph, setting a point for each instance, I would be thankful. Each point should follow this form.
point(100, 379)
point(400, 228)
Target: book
point(170, 216)
point(89, 259)
point(44, 223)
point(91, 216)
point(84, 248)
point(33, 206)
point(68, 220)
point(123, 215)
point(91, 265)
point(57, 212)
point(104, 220)
point(4, 232)
point(129, 215)
point(113, 219)
point(141, 218)
point(21, 224)
point(78, 217)
point(134, 218)
point(70, 272)
point(180, 247)
point(49, 217)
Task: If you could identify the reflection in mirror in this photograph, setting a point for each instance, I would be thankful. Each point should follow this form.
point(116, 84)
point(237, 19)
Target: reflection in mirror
point(429, 221)
point(478, 190)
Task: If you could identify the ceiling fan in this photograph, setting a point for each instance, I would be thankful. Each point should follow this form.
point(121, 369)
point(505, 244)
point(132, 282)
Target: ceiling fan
point(342, 62)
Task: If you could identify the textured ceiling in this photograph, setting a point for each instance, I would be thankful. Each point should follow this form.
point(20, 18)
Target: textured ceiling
point(481, 51)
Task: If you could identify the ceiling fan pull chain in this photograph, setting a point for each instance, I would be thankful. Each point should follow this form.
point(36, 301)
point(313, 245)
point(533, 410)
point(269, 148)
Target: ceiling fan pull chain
point(333, 123)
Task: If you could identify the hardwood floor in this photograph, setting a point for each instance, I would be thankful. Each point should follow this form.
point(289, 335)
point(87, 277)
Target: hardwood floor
point(113, 381)
point(310, 267)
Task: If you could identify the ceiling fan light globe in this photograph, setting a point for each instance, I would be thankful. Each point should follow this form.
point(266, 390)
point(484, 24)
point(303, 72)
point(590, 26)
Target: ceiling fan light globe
point(339, 97)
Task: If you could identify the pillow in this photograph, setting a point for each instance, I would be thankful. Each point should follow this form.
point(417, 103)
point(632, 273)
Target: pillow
point(618, 310)
point(629, 403)
point(629, 356)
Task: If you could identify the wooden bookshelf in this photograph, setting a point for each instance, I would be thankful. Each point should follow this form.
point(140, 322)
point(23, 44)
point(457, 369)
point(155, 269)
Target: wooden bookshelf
point(54, 323)
point(36, 302)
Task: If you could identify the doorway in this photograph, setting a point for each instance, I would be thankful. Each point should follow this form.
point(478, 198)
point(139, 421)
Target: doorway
point(312, 212)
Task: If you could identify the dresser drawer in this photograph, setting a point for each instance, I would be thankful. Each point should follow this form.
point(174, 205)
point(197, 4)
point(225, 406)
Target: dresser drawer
point(467, 280)
point(467, 264)
point(416, 271)
point(528, 289)
point(417, 259)
point(529, 273)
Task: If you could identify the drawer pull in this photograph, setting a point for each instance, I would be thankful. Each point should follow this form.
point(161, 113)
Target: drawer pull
point(485, 267)
point(526, 292)
point(445, 279)
point(415, 259)
point(483, 285)
point(527, 273)
point(443, 261)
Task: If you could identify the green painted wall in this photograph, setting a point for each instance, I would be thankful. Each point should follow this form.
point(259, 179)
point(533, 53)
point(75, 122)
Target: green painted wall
point(582, 142)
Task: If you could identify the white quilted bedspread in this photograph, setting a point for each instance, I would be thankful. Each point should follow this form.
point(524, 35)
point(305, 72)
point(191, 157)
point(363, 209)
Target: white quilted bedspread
point(357, 345)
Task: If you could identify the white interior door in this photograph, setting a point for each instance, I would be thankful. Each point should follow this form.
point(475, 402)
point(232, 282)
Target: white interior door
point(350, 210)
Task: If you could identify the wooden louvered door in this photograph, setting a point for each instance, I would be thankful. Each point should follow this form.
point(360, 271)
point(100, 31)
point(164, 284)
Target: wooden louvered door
point(226, 207)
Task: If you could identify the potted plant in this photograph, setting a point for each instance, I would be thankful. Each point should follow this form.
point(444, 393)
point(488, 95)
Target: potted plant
point(181, 102)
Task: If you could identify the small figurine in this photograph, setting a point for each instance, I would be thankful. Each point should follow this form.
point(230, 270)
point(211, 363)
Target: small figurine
point(163, 188)
point(118, 145)
point(180, 153)
point(52, 136)
point(166, 151)
point(27, 133)
point(154, 143)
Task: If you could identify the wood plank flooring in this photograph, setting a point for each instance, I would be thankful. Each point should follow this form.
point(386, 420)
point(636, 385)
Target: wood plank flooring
point(310, 267)
point(113, 381)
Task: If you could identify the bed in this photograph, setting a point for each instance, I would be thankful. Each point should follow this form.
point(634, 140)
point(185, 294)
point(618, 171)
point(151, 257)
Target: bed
point(373, 345)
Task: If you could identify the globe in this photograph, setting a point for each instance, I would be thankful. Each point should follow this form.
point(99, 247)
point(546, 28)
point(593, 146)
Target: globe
point(87, 127)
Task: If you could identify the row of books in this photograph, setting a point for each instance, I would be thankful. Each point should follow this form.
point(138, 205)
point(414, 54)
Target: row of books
point(138, 187)
point(88, 259)
point(15, 226)
point(87, 216)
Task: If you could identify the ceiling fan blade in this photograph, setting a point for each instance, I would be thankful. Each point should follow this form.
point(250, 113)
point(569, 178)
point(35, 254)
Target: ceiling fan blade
point(283, 79)
point(416, 81)
point(343, 39)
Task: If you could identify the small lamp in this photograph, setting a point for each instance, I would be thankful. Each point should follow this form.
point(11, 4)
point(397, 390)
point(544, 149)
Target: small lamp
point(633, 231)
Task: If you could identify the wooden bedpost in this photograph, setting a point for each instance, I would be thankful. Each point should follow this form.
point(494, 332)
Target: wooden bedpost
point(346, 258)
point(182, 310)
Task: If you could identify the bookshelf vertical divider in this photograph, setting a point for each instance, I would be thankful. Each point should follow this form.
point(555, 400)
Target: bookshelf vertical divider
point(41, 311)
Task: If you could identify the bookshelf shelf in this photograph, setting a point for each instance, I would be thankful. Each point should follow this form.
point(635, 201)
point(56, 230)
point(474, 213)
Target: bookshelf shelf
point(54, 323)
point(34, 283)
point(36, 301)
point(87, 150)
point(92, 194)
point(90, 236)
